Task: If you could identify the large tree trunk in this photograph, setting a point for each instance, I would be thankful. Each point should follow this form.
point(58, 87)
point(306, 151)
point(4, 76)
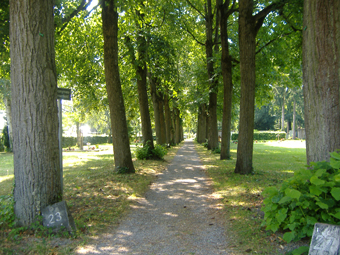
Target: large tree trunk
point(79, 137)
point(177, 125)
point(161, 118)
point(321, 77)
point(212, 129)
point(143, 95)
point(167, 114)
point(120, 138)
point(8, 105)
point(283, 114)
point(202, 123)
point(247, 34)
point(226, 65)
point(34, 109)
point(294, 119)
point(155, 102)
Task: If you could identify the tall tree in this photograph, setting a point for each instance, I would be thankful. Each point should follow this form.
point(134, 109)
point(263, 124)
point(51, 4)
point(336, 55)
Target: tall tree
point(34, 108)
point(249, 25)
point(120, 137)
point(226, 66)
point(321, 77)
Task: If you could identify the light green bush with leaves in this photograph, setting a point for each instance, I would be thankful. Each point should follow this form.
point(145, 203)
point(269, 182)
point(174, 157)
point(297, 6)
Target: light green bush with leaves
point(145, 153)
point(310, 196)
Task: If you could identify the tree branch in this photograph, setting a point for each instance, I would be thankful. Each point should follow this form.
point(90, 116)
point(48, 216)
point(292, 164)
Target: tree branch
point(259, 18)
point(192, 6)
point(82, 7)
point(193, 36)
point(273, 40)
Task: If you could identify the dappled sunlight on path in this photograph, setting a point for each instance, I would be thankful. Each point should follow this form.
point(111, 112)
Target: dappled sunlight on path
point(177, 216)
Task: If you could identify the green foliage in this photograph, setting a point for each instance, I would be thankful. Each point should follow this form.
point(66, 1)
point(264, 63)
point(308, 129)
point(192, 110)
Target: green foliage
point(160, 151)
point(7, 216)
point(263, 119)
point(72, 141)
point(5, 138)
point(310, 196)
point(145, 152)
point(264, 135)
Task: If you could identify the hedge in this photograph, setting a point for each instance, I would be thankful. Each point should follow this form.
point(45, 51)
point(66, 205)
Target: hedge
point(72, 141)
point(264, 135)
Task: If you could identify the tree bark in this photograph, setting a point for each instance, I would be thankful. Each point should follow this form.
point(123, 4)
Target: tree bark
point(161, 117)
point(247, 34)
point(202, 124)
point(120, 137)
point(34, 108)
point(156, 109)
point(8, 105)
point(283, 114)
point(167, 114)
point(143, 95)
point(294, 119)
point(226, 65)
point(321, 77)
point(212, 129)
point(177, 125)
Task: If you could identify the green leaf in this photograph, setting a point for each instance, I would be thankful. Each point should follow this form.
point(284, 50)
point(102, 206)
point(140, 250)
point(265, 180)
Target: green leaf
point(316, 181)
point(337, 215)
point(281, 215)
point(335, 155)
point(315, 190)
point(337, 178)
point(320, 172)
point(322, 205)
point(289, 236)
point(336, 193)
point(311, 220)
point(335, 163)
point(293, 193)
point(300, 250)
point(285, 199)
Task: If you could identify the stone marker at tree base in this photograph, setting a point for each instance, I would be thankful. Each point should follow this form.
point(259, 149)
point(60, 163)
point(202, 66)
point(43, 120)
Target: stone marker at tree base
point(325, 240)
point(57, 216)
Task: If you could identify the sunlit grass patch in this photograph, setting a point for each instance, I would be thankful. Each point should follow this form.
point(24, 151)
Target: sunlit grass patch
point(96, 196)
point(241, 194)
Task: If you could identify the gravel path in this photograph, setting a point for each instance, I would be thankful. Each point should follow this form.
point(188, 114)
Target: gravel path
point(177, 216)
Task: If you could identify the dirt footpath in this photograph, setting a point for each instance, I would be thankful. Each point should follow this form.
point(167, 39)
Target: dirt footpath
point(177, 216)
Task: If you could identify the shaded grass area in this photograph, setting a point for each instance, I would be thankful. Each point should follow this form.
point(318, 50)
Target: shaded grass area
point(6, 173)
point(241, 194)
point(96, 196)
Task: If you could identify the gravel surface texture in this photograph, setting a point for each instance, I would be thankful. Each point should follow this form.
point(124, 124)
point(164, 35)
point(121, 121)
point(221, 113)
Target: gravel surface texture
point(178, 215)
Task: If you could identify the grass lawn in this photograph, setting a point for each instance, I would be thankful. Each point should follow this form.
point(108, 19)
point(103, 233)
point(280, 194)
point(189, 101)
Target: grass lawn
point(96, 196)
point(99, 198)
point(241, 194)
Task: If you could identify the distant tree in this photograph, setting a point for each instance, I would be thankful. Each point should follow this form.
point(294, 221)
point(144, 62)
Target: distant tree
point(263, 119)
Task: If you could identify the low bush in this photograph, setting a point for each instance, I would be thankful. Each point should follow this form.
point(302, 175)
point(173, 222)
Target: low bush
point(310, 196)
point(146, 153)
point(264, 135)
point(7, 217)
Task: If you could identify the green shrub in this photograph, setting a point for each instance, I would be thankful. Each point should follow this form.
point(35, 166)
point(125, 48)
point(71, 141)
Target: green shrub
point(7, 216)
point(146, 153)
point(159, 151)
point(310, 196)
point(143, 152)
point(264, 135)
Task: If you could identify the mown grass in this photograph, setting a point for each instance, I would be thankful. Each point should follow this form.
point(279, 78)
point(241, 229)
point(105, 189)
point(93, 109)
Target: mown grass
point(241, 194)
point(96, 196)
